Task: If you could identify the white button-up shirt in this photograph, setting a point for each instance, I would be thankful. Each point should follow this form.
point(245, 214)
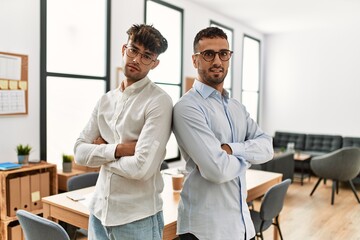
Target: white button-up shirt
point(129, 188)
point(213, 200)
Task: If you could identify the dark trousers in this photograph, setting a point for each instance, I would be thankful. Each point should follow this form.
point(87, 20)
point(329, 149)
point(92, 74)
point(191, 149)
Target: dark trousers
point(189, 236)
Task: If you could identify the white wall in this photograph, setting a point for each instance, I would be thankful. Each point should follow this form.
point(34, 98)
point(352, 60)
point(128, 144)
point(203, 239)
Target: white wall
point(311, 78)
point(20, 33)
point(312, 82)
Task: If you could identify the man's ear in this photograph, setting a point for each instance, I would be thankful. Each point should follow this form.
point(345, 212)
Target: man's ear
point(157, 61)
point(195, 64)
point(123, 49)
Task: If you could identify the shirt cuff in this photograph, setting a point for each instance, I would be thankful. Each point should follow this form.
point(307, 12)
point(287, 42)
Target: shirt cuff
point(109, 152)
point(236, 148)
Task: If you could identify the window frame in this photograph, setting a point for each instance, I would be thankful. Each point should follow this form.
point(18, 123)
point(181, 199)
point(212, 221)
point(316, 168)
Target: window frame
point(44, 74)
point(259, 79)
point(178, 157)
point(217, 24)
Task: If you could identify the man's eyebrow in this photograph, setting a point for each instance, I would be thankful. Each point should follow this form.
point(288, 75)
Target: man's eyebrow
point(147, 52)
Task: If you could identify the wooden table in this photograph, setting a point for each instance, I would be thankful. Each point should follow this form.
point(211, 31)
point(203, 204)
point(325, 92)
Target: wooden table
point(303, 159)
point(60, 207)
point(258, 182)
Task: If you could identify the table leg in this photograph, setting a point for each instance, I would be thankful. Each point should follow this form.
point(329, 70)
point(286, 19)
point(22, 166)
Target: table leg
point(302, 173)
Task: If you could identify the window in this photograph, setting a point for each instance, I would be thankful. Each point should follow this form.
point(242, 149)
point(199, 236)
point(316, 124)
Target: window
point(168, 74)
point(74, 70)
point(229, 33)
point(251, 76)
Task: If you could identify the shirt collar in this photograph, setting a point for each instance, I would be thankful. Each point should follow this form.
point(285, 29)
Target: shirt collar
point(205, 90)
point(136, 85)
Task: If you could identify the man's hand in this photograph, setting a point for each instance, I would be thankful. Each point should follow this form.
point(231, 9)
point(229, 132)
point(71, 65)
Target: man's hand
point(226, 148)
point(99, 141)
point(125, 149)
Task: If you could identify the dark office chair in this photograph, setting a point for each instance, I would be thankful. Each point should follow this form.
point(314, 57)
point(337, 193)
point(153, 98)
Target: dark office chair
point(164, 165)
point(341, 165)
point(270, 208)
point(36, 227)
point(82, 181)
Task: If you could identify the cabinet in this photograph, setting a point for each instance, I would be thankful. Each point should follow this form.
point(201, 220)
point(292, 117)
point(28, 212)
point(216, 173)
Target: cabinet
point(23, 188)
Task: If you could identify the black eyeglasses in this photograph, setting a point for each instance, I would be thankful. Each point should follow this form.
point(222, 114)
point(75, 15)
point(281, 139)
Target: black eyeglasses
point(209, 55)
point(145, 59)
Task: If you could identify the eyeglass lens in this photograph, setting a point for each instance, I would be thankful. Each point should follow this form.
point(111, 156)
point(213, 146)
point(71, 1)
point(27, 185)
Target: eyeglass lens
point(209, 55)
point(132, 52)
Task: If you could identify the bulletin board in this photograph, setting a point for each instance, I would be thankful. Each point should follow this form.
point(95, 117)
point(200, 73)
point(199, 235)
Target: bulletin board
point(13, 84)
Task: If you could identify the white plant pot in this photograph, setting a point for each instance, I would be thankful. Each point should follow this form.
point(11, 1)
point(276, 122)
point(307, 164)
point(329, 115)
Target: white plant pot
point(23, 159)
point(67, 166)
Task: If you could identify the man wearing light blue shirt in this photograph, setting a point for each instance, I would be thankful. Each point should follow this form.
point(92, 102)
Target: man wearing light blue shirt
point(218, 140)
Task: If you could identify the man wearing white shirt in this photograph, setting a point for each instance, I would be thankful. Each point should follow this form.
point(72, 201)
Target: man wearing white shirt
point(127, 136)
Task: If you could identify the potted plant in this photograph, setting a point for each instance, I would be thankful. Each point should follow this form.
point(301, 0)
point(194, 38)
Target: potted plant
point(67, 162)
point(23, 152)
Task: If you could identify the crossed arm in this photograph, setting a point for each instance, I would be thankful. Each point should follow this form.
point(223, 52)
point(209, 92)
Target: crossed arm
point(122, 149)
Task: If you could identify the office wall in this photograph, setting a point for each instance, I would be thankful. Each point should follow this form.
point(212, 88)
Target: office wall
point(20, 33)
point(312, 82)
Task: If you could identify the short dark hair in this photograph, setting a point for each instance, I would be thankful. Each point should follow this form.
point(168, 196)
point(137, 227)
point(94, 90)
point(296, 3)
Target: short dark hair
point(149, 37)
point(210, 32)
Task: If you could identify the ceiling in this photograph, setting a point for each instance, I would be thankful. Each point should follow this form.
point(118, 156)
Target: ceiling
point(275, 16)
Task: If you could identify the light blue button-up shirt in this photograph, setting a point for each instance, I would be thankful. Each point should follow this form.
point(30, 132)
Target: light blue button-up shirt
point(213, 200)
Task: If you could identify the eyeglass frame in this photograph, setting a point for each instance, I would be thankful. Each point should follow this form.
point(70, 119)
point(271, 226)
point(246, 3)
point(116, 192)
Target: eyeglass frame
point(137, 53)
point(218, 53)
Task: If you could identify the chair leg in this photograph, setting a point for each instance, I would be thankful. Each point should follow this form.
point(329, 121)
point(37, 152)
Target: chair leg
point(354, 190)
point(316, 185)
point(278, 226)
point(333, 191)
point(261, 231)
point(261, 236)
point(75, 235)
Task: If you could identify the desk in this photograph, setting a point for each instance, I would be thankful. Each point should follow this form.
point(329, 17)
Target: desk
point(303, 159)
point(60, 207)
point(258, 182)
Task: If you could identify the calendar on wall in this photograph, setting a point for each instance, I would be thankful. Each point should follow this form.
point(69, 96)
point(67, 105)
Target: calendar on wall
point(13, 83)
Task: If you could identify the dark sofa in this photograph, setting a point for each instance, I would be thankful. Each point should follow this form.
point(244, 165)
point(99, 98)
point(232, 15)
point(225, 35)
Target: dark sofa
point(351, 142)
point(283, 163)
point(313, 144)
point(281, 140)
point(316, 144)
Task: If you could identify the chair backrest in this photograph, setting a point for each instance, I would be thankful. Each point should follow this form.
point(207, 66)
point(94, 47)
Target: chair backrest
point(273, 200)
point(164, 165)
point(36, 227)
point(82, 181)
point(342, 164)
